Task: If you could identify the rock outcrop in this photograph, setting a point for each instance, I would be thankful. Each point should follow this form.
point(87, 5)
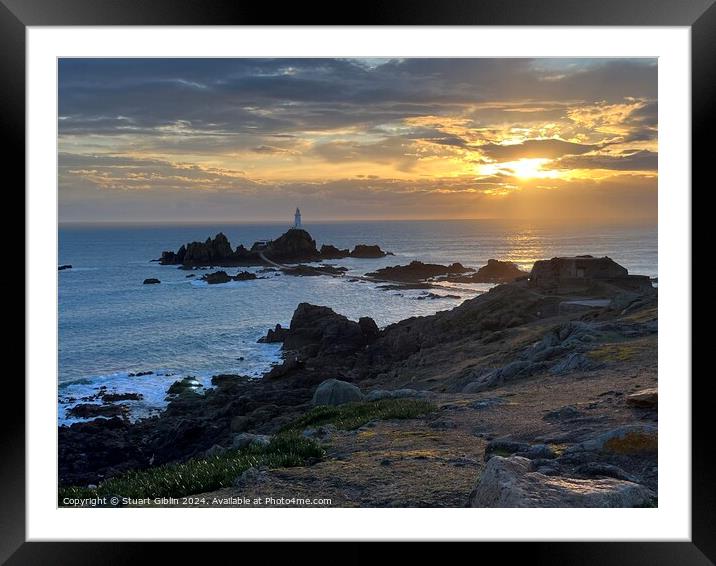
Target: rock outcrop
point(151, 281)
point(276, 335)
point(417, 271)
point(332, 252)
point(320, 332)
point(644, 399)
point(497, 271)
point(366, 251)
point(510, 482)
point(294, 246)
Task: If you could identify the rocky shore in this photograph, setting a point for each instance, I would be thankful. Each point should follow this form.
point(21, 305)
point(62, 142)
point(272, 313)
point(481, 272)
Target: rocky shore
point(535, 405)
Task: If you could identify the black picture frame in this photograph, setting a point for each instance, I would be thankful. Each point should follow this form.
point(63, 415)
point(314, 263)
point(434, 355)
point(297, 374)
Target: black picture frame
point(16, 15)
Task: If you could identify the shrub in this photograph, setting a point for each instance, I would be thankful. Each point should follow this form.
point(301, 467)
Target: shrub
point(199, 475)
point(354, 415)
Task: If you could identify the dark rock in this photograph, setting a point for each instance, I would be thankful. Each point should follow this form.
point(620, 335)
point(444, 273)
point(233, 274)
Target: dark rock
point(366, 251)
point(369, 328)
point(223, 277)
point(417, 271)
point(114, 397)
point(320, 331)
point(63, 267)
point(504, 447)
point(289, 365)
point(313, 271)
point(293, 246)
point(184, 385)
point(332, 252)
point(596, 469)
point(151, 281)
point(90, 411)
point(244, 276)
point(216, 277)
point(497, 271)
point(277, 335)
point(140, 373)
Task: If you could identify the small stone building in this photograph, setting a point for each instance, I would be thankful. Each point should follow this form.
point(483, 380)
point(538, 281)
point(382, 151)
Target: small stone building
point(583, 270)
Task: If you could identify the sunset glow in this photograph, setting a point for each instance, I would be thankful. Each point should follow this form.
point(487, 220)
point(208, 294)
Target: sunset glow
point(152, 139)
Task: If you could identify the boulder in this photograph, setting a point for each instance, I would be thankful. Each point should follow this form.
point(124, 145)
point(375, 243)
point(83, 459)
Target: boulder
point(510, 482)
point(628, 440)
point(336, 392)
point(646, 398)
point(151, 281)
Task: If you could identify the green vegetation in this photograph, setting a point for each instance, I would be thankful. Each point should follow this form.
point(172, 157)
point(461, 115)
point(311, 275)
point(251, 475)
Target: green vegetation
point(354, 415)
point(199, 475)
point(613, 353)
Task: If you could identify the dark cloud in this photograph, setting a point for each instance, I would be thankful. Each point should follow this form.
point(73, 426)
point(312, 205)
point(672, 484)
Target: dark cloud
point(626, 161)
point(549, 149)
point(105, 96)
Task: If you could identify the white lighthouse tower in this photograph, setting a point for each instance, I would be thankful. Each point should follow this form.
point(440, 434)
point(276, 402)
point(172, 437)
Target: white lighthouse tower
point(297, 218)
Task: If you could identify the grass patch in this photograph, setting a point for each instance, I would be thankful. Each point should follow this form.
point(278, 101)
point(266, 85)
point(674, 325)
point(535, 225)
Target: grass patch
point(199, 475)
point(613, 353)
point(354, 415)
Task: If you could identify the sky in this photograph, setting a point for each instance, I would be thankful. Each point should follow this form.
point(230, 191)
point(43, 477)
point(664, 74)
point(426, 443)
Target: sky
point(245, 140)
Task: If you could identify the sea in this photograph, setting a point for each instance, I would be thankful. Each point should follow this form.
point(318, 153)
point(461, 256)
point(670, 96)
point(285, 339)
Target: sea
point(112, 326)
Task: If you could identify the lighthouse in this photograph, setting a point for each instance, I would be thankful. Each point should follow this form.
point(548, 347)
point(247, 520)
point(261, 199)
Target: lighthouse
point(297, 219)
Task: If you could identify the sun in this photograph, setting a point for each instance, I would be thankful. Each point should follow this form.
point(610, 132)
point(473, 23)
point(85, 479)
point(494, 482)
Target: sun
point(525, 168)
point(529, 168)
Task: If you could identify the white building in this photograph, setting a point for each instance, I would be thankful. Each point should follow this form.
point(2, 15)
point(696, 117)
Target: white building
point(297, 219)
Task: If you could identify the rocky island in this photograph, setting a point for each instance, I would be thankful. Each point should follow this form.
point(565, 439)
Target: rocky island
point(506, 400)
point(294, 246)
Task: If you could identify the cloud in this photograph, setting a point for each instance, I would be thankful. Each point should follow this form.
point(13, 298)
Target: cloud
point(206, 131)
point(530, 149)
point(642, 160)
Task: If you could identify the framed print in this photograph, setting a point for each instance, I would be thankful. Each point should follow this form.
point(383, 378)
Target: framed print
point(423, 275)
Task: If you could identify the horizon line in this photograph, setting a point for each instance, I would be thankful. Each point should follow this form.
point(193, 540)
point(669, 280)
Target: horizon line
point(638, 220)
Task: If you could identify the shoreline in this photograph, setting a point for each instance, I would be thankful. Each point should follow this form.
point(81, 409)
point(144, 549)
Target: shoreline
point(356, 353)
